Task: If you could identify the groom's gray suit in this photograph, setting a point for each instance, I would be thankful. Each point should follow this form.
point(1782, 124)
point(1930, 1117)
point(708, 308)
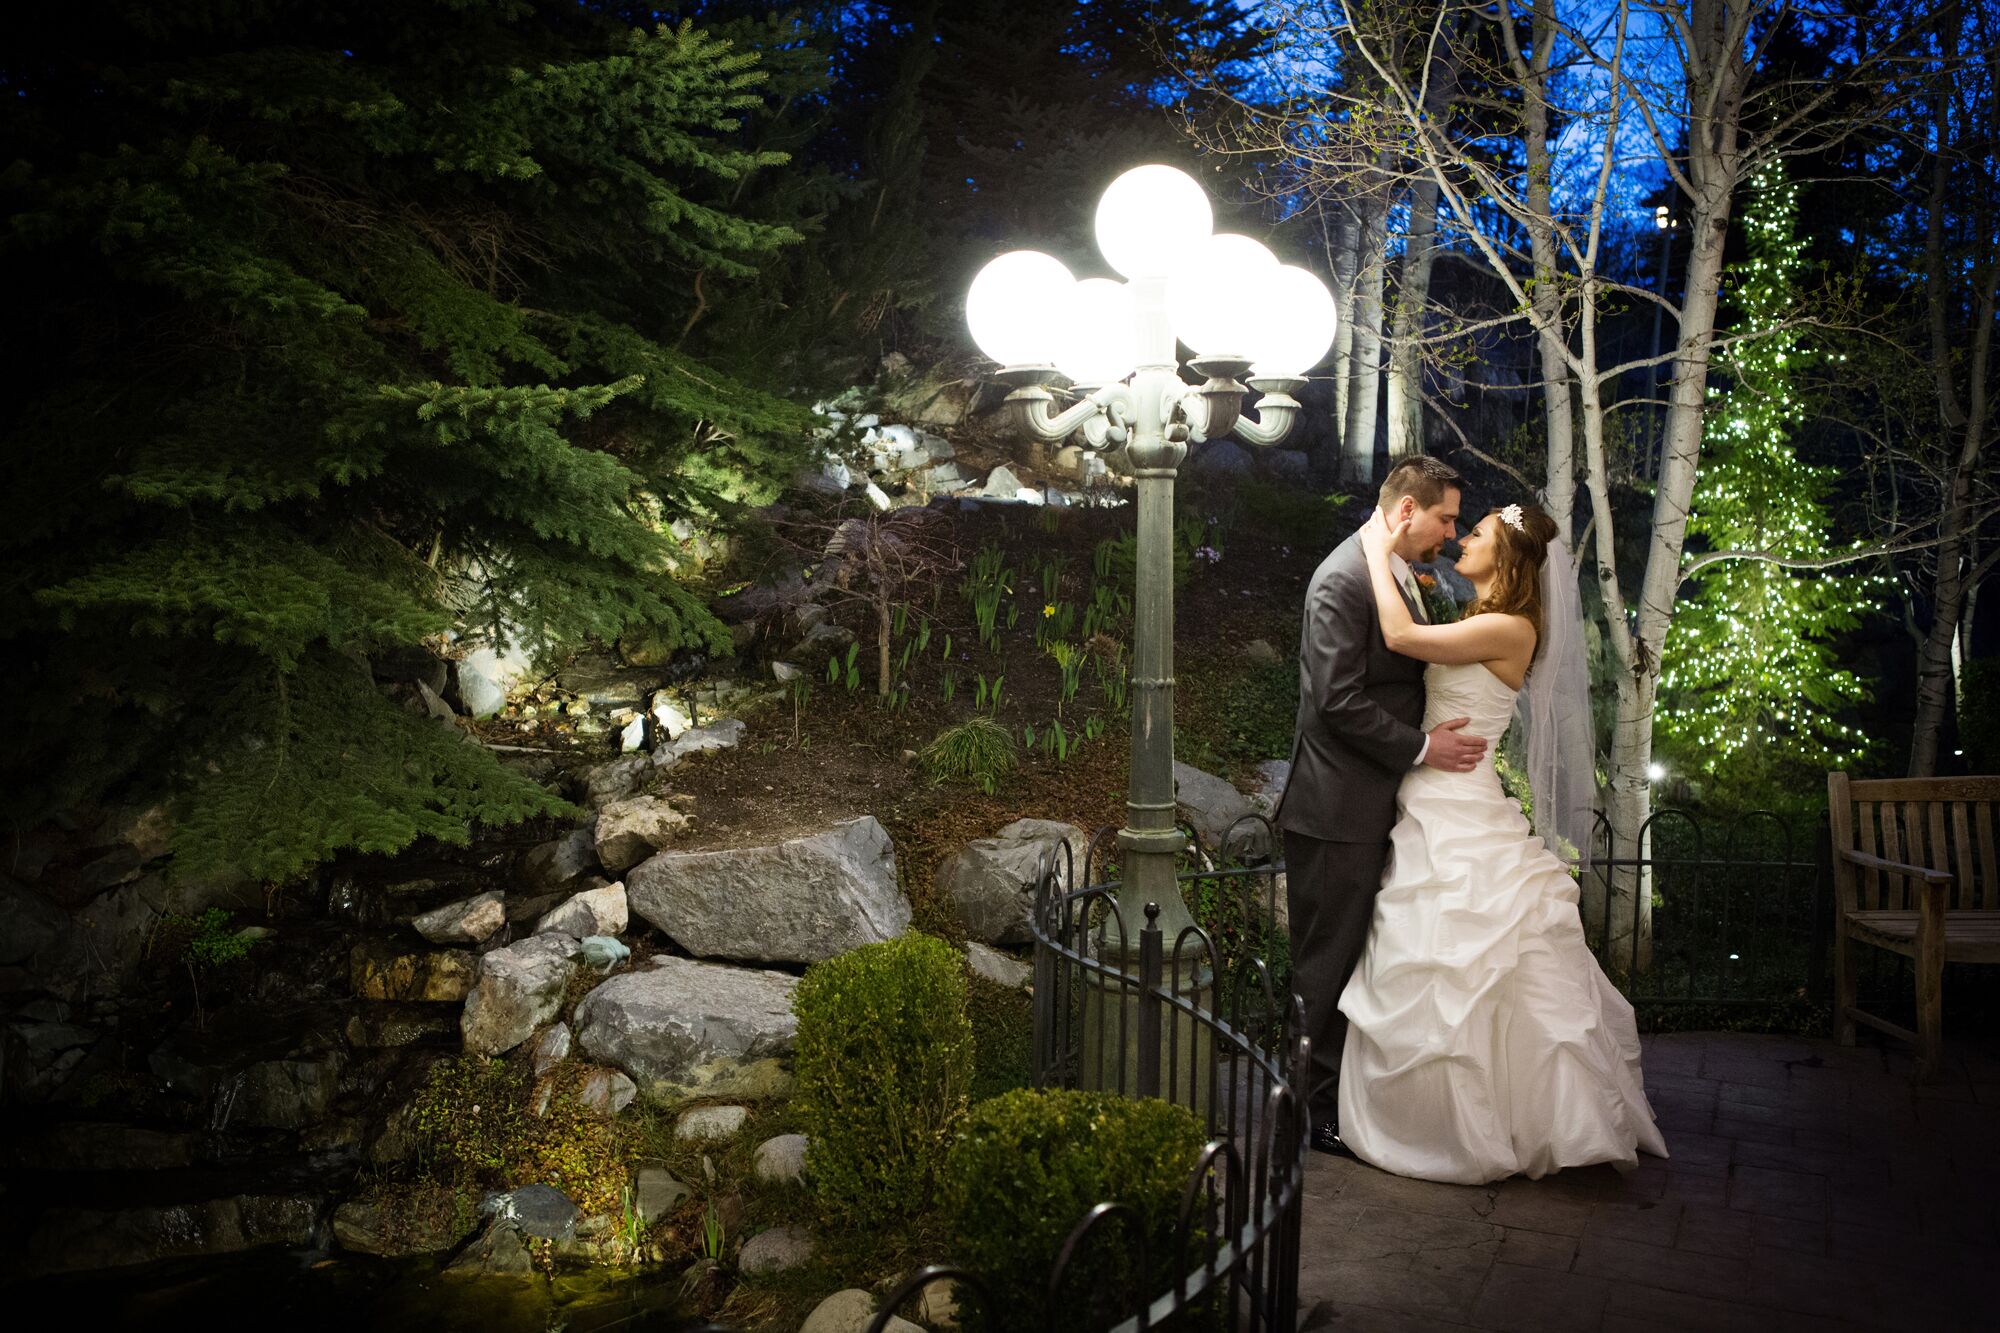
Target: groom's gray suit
point(1360, 710)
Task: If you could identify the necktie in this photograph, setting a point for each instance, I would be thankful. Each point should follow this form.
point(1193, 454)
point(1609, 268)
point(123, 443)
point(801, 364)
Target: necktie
point(1420, 611)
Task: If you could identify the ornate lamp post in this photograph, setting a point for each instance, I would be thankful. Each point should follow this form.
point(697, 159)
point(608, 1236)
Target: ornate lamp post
point(1228, 299)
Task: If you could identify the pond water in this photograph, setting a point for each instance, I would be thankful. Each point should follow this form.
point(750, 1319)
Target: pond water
point(302, 1292)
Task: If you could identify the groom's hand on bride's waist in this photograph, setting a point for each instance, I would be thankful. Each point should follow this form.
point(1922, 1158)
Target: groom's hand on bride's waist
point(1451, 750)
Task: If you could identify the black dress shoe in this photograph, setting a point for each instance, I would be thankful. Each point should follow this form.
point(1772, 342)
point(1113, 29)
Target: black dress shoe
point(1326, 1139)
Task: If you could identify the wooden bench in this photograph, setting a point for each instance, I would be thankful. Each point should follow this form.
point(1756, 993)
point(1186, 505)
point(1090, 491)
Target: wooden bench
point(1914, 872)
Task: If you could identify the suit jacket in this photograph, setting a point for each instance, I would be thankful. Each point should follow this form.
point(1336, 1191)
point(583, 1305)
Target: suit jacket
point(1361, 708)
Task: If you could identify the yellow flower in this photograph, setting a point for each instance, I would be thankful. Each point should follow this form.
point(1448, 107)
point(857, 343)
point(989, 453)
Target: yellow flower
point(1048, 611)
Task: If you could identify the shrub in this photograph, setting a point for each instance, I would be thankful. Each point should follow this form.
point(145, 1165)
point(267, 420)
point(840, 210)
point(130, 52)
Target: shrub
point(1030, 1164)
point(1003, 1038)
point(978, 750)
point(883, 1060)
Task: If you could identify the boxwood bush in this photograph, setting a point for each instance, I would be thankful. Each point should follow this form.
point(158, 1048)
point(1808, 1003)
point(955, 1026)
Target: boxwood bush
point(883, 1062)
point(1030, 1163)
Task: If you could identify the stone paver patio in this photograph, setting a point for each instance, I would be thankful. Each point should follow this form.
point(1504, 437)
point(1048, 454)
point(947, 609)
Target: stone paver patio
point(1810, 1187)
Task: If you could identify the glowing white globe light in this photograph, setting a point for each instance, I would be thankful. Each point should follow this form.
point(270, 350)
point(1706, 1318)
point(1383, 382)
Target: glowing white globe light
point(1295, 325)
point(1013, 307)
point(1215, 296)
point(1098, 334)
point(1149, 217)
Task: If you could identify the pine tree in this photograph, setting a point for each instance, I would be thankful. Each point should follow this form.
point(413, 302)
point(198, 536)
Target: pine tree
point(339, 330)
point(1751, 679)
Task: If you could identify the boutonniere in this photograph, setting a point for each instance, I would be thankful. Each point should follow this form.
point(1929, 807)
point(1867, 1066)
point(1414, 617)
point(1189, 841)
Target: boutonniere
point(1438, 603)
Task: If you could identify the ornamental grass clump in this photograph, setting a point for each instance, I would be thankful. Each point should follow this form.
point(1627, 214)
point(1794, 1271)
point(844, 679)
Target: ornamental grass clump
point(978, 751)
point(1030, 1163)
point(883, 1062)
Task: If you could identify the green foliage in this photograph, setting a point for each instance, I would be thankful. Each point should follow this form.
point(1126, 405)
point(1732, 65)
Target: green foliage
point(1979, 716)
point(1244, 933)
point(1287, 515)
point(845, 671)
point(1749, 666)
point(346, 345)
point(985, 695)
point(322, 760)
point(1027, 1167)
point(1116, 561)
point(713, 1237)
point(1003, 1038)
point(883, 1062)
point(978, 751)
point(211, 942)
point(474, 1123)
point(988, 581)
point(1257, 724)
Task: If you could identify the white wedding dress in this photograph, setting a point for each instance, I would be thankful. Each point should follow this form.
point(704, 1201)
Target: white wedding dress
point(1483, 1040)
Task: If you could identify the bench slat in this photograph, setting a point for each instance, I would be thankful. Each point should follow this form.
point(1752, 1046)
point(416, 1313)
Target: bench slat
point(1896, 893)
point(1871, 882)
point(1989, 866)
point(1941, 855)
point(1969, 937)
point(1977, 788)
point(1972, 890)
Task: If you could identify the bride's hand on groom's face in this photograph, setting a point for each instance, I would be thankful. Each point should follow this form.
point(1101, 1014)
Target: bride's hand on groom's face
point(1379, 537)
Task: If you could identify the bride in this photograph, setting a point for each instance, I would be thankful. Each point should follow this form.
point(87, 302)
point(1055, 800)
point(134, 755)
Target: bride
point(1483, 1040)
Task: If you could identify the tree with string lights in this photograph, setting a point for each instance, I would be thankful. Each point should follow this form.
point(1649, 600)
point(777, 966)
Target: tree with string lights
point(1750, 680)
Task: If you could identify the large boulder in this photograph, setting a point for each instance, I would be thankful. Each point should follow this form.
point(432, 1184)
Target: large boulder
point(996, 967)
point(74, 1239)
point(558, 865)
point(851, 1311)
point(776, 1250)
point(615, 779)
point(592, 912)
point(360, 1225)
point(627, 832)
point(284, 1094)
point(468, 921)
point(1213, 807)
point(799, 901)
point(486, 677)
point(988, 886)
point(683, 1028)
point(520, 988)
point(710, 736)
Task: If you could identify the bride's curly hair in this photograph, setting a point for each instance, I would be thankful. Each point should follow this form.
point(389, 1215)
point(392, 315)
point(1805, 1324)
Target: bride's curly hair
point(1518, 557)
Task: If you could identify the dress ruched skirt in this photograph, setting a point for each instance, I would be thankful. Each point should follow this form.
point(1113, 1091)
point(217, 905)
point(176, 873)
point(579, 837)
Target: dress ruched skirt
point(1483, 1039)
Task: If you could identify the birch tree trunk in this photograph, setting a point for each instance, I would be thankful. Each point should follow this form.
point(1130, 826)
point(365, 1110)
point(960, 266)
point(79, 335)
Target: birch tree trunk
point(1346, 240)
point(1963, 414)
point(1413, 296)
point(1717, 75)
point(1557, 406)
point(1364, 377)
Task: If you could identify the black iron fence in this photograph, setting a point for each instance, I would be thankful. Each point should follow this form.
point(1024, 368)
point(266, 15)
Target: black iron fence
point(1712, 910)
point(1118, 1007)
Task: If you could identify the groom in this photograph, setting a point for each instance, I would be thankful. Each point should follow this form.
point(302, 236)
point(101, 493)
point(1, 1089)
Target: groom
point(1360, 709)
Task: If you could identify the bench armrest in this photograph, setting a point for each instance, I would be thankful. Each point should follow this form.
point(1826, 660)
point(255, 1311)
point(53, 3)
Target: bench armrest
point(1894, 867)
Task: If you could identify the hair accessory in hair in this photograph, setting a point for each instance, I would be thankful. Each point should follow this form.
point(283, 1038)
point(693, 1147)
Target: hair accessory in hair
point(1511, 516)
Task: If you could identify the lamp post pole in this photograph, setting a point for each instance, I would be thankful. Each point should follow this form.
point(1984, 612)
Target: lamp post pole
point(1119, 344)
point(1151, 838)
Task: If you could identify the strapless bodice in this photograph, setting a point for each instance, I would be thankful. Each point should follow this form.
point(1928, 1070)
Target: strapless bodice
point(1471, 690)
